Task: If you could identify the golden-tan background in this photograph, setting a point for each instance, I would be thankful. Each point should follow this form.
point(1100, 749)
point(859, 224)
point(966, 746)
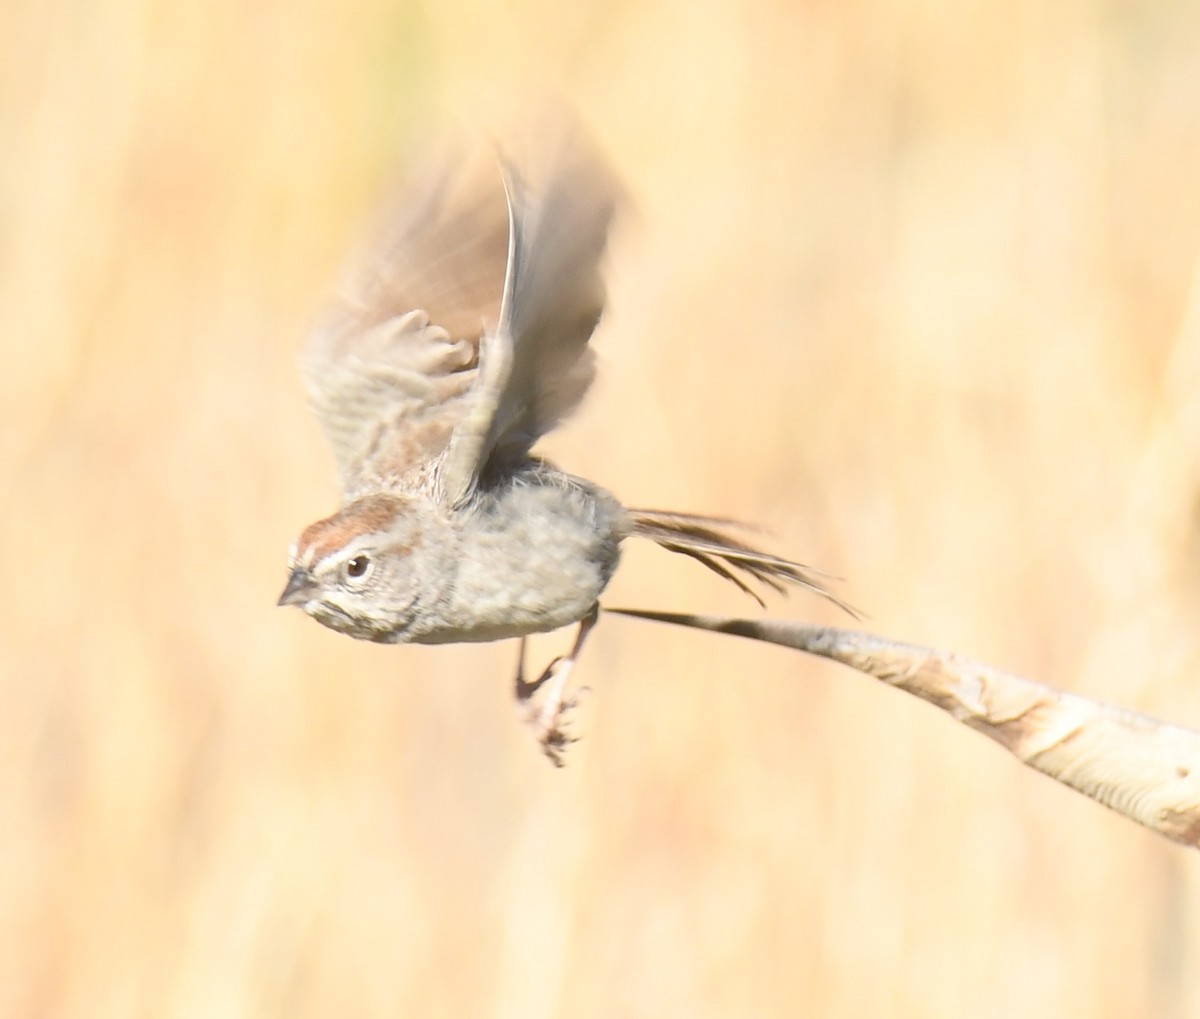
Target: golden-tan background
point(913, 285)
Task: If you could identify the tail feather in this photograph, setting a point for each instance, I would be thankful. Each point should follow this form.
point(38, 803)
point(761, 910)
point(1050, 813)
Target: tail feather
point(720, 570)
point(703, 539)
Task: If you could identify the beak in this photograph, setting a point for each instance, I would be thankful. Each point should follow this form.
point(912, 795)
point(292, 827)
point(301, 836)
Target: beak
point(299, 588)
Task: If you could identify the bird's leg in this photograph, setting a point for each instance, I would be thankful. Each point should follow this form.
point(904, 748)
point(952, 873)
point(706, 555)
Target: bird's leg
point(547, 721)
point(521, 689)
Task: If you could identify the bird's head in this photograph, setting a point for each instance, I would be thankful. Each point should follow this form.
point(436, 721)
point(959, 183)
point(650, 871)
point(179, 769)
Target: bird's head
point(372, 570)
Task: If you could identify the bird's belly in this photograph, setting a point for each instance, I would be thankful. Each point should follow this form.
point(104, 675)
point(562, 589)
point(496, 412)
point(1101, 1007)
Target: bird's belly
point(534, 562)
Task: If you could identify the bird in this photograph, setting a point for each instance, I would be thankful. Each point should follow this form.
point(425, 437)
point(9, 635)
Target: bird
point(460, 336)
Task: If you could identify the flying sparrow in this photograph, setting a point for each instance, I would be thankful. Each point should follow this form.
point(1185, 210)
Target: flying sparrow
point(459, 340)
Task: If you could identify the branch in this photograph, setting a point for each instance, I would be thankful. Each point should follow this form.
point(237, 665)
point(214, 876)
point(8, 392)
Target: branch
point(1144, 768)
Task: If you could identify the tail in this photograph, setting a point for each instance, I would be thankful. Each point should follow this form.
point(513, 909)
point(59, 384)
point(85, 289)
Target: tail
point(705, 540)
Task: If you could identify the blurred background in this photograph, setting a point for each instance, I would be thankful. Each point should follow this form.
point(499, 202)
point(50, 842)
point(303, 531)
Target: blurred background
point(915, 286)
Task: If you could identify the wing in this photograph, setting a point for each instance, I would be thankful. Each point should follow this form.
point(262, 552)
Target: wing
point(390, 368)
point(536, 365)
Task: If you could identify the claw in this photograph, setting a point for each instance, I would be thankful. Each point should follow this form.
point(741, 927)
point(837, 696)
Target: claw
point(555, 709)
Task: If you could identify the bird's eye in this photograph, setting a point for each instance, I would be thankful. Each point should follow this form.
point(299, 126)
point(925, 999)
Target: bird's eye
point(357, 568)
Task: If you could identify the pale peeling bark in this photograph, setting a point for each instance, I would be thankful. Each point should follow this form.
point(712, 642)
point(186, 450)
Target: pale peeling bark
point(1144, 768)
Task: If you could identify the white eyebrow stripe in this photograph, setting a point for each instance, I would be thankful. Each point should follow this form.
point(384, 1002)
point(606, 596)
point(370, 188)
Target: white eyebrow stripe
point(363, 543)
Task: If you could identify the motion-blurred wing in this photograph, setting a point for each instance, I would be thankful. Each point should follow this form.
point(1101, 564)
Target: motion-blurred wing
point(390, 369)
point(536, 365)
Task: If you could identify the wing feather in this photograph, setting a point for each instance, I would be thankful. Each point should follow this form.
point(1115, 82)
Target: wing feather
point(464, 329)
point(389, 369)
point(537, 365)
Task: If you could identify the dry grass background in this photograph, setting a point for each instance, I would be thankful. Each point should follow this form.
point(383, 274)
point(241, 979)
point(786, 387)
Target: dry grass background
point(915, 285)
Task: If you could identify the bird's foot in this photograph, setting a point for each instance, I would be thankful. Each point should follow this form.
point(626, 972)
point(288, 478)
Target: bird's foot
point(549, 718)
point(551, 715)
